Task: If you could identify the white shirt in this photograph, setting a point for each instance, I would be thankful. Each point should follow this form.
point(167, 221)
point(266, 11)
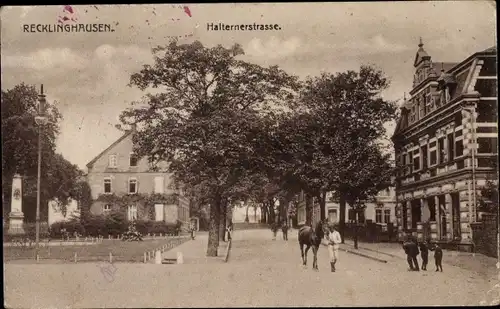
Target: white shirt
point(334, 238)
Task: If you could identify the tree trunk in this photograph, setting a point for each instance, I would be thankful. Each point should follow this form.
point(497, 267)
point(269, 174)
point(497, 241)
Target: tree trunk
point(222, 221)
point(271, 213)
point(309, 209)
point(213, 228)
point(246, 216)
point(322, 204)
point(263, 213)
point(355, 232)
point(342, 206)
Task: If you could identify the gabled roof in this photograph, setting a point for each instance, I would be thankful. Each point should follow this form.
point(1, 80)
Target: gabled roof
point(492, 49)
point(421, 54)
point(127, 133)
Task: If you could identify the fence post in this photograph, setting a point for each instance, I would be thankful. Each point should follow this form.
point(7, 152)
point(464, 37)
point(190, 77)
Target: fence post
point(76, 257)
point(37, 257)
point(110, 257)
point(144, 257)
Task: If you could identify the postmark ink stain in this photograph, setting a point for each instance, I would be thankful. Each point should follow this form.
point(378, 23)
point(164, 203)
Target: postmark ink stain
point(187, 11)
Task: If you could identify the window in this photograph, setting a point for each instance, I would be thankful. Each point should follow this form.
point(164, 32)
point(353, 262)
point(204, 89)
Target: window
point(159, 212)
point(489, 67)
point(332, 215)
point(442, 151)
point(451, 147)
point(486, 87)
point(361, 216)
point(132, 212)
point(433, 158)
point(159, 184)
point(487, 145)
point(387, 216)
point(424, 156)
point(106, 208)
point(132, 186)
point(487, 111)
point(133, 159)
point(378, 215)
point(405, 168)
point(459, 148)
point(107, 185)
point(113, 162)
point(410, 161)
point(416, 163)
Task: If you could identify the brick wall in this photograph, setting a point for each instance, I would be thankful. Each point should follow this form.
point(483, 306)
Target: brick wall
point(485, 235)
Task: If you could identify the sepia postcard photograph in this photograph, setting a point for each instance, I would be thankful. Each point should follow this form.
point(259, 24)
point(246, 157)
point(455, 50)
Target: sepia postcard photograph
point(295, 154)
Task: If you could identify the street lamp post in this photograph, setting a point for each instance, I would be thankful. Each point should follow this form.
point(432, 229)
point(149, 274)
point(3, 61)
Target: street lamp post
point(40, 121)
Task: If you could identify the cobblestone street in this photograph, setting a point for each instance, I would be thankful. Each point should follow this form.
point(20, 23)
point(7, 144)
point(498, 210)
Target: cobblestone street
point(260, 272)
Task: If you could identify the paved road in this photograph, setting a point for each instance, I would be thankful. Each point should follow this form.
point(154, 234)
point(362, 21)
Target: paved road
point(261, 272)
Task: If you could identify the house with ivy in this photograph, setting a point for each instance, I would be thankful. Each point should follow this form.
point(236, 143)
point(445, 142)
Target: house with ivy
point(120, 181)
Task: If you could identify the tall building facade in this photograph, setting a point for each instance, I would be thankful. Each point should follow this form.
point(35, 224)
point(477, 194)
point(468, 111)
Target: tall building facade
point(446, 145)
point(117, 171)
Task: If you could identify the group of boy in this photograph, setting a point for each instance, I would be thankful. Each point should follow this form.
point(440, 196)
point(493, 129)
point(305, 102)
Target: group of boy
point(412, 249)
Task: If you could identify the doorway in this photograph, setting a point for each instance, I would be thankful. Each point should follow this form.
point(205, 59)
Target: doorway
point(442, 216)
point(416, 213)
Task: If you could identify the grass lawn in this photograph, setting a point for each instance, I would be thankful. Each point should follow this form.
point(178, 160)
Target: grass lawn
point(122, 251)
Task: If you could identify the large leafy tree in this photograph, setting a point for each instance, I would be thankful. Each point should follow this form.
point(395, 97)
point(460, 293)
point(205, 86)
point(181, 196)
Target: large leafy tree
point(204, 116)
point(341, 113)
point(20, 153)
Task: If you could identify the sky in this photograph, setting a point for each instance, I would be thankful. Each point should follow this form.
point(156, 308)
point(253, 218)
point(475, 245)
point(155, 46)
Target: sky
point(86, 74)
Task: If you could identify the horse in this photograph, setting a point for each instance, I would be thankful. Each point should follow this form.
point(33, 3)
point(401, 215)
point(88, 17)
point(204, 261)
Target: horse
point(311, 238)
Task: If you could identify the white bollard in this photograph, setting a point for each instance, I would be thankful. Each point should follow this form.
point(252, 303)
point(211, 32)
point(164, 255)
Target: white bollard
point(110, 257)
point(145, 260)
point(76, 257)
point(180, 258)
point(148, 255)
point(158, 257)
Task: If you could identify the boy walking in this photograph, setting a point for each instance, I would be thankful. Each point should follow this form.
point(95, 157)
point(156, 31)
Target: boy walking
point(334, 241)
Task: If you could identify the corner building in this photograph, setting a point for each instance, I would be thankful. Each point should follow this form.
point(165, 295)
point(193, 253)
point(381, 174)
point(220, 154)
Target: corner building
point(446, 146)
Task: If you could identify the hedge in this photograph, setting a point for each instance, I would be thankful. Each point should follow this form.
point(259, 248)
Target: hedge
point(111, 225)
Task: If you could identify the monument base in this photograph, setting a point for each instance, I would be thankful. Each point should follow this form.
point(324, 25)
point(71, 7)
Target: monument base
point(16, 224)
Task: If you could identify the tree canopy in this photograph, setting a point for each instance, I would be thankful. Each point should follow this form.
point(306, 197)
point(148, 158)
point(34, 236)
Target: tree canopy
point(203, 119)
point(60, 178)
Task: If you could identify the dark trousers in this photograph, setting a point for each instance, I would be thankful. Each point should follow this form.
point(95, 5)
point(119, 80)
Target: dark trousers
point(412, 261)
point(285, 235)
point(425, 260)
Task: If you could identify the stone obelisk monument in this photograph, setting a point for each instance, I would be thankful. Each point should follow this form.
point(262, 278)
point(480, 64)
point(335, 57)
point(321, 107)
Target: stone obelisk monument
point(16, 214)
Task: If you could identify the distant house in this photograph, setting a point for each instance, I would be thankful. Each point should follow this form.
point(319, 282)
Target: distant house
point(121, 181)
point(382, 210)
point(55, 214)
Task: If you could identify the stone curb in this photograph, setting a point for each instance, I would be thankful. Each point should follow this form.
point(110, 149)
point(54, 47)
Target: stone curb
point(361, 254)
point(376, 251)
point(366, 256)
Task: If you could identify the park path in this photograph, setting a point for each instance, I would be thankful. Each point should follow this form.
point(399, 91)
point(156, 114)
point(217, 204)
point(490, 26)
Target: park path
point(260, 272)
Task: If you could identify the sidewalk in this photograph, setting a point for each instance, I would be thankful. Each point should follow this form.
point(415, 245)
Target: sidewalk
point(481, 264)
point(195, 251)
